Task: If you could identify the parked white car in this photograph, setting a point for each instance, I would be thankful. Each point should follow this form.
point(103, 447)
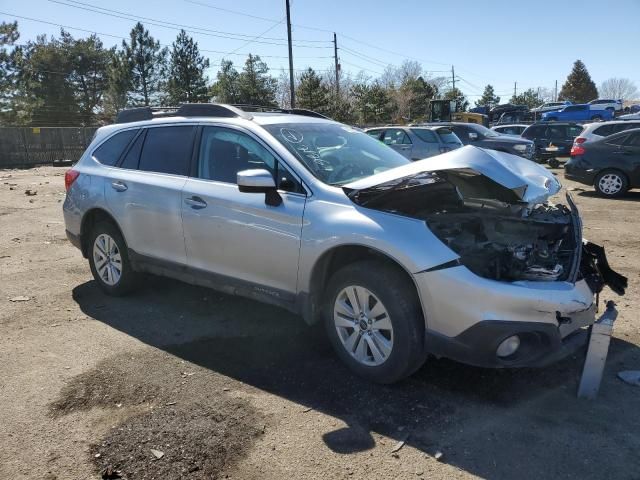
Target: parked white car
point(606, 104)
point(550, 107)
point(599, 130)
point(630, 116)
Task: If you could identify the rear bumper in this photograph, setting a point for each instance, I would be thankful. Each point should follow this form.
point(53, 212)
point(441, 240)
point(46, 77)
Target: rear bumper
point(74, 239)
point(580, 175)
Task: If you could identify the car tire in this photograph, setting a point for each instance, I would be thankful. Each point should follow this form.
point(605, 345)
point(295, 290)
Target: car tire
point(394, 350)
point(611, 183)
point(553, 162)
point(552, 119)
point(596, 118)
point(109, 260)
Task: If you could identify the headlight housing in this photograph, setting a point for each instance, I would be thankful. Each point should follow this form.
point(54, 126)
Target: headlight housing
point(521, 147)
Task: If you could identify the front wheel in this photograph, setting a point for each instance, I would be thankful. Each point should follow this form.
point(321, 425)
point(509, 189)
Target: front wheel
point(611, 183)
point(374, 321)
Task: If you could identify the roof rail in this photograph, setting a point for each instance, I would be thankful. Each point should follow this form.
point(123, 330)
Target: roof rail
point(184, 110)
point(268, 108)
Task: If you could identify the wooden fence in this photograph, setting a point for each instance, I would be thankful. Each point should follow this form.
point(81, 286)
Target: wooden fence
point(22, 147)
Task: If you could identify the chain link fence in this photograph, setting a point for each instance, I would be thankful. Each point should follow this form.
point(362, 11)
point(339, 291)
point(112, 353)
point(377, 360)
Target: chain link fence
point(23, 147)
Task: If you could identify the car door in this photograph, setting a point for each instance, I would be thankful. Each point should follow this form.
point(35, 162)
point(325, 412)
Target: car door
point(235, 236)
point(144, 193)
point(398, 139)
point(630, 153)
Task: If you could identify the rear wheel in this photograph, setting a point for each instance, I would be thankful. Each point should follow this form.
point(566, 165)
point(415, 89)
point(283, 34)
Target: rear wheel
point(596, 118)
point(553, 162)
point(374, 321)
point(611, 183)
point(109, 260)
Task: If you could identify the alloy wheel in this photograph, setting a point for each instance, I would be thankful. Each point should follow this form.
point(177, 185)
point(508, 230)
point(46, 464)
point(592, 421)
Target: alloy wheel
point(363, 325)
point(107, 259)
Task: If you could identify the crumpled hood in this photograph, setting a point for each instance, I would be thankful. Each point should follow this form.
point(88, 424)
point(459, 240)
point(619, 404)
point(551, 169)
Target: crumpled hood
point(530, 182)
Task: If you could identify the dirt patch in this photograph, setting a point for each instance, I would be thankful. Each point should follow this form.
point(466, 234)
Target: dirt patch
point(196, 440)
point(201, 428)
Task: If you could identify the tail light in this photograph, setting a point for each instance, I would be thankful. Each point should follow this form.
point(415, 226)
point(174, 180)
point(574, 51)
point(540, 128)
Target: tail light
point(69, 177)
point(579, 140)
point(577, 150)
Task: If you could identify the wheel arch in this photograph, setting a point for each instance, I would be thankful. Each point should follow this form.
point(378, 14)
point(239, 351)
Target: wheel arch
point(90, 218)
point(331, 261)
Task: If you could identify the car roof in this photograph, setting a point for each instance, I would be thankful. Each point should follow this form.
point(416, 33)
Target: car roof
point(595, 125)
point(511, 125)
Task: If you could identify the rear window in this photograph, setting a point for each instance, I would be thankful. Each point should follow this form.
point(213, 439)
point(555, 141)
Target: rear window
point(534, 131)
point(425, 135)
point(109, 152)
point(447, 136)
point(606, 130)
point(168, 150)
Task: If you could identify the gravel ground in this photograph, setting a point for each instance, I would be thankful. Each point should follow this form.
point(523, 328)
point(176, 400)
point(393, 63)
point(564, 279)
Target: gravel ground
point(223, 387)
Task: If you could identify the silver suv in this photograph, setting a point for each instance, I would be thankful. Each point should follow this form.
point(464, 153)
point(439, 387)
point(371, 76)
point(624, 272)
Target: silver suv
point(458, 256)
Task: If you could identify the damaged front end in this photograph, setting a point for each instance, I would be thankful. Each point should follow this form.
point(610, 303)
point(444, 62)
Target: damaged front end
point(493, 211)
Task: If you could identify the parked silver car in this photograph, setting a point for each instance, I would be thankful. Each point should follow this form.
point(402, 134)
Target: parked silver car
point(416, 143)
point(457, 256)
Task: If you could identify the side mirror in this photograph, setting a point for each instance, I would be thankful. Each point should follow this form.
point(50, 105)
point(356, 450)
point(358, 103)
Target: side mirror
point(473, 136)
point(259, 181)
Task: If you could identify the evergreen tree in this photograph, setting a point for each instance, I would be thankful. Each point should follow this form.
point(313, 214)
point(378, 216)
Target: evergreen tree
point(488, 98)
point(421, 92)
point(461, 101)
point(119, 85)
point(226, 89)
point(311, 93)
point(88, 74)
point(579, 88)
point(255, 86)
point(528, 97)
point(147, 61)
point(44, 92)
point(372, 103)
point(8, 36)
point(187, 81)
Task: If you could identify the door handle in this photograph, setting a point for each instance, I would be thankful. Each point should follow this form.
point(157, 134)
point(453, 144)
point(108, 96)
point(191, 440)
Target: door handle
point(195, 202)
point(119, 186)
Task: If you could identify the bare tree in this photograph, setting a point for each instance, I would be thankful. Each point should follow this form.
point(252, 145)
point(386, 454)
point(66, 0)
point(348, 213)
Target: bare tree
point(619, 88)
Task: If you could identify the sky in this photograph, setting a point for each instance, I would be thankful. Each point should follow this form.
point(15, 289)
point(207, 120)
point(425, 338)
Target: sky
point(530, 44)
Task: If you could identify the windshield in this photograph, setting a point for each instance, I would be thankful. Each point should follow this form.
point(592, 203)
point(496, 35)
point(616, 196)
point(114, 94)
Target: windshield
point(335, 153)
point(484, 131)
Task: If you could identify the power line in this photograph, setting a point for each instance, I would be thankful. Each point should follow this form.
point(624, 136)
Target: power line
point(120, 37)
point(170, 25)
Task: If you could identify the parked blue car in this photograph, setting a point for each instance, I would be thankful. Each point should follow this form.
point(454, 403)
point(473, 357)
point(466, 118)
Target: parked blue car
point(577, 113)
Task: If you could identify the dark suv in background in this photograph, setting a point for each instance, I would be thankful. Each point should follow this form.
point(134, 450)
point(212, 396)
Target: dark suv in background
point(552, 140)
point(479, 136)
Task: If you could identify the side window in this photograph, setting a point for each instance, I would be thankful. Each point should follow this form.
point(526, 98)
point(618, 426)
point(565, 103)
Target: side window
point(374, 133)
point(604, 131)
point(556, 133)
point(425, 135)
point(225, 152)
point(132, 157)
point(109, 152)
point(574, 131)
point(168, 150)
point(618, 140)
point(395, 136)
point(633, 140)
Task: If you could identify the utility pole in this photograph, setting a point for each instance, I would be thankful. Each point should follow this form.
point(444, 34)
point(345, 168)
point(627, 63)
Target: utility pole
point(515, 89)
point(335, 58)
point(291, 82)
point(555, 92)
point(453, 77)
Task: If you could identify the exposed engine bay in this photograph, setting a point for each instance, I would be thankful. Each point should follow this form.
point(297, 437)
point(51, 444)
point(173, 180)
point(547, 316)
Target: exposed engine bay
point(496, 234)
point(536, 244)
